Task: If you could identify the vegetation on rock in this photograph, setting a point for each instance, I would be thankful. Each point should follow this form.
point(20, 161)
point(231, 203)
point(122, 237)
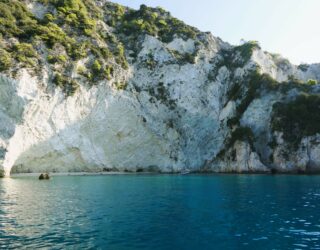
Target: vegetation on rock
point(298, 118)
point(242, 134)
point(312, 82)
point(246, 49)
point(246, 93)
point(69, 86)
point(183, 58)
point(69, 32)
point(5, 60)
point(152, 21)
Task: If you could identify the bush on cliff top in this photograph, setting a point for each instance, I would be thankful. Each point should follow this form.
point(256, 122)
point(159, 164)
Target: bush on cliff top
point(15, 19)
point(68, 28)
point(247, 49)
point(147, 20)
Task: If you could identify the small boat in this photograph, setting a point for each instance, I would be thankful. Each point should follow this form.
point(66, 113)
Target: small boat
point(44, 176)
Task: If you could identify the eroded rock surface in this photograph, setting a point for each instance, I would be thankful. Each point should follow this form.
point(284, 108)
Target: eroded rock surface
point(189, 104)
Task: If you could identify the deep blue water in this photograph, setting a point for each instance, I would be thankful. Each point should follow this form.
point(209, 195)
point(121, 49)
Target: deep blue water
point(161, 212)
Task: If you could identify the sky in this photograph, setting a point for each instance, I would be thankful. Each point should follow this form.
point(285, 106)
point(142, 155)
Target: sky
point(288, 27)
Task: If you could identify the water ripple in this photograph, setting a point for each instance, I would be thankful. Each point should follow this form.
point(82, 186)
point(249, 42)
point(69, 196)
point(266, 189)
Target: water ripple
point(161, 212)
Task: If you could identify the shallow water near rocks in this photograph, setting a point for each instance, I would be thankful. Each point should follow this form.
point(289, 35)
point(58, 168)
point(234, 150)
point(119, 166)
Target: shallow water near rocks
point(161, 212)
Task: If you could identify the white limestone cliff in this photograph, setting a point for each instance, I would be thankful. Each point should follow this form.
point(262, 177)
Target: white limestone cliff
point(171, 118)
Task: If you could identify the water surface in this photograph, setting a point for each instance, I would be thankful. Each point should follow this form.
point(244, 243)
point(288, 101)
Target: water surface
point(161, 212)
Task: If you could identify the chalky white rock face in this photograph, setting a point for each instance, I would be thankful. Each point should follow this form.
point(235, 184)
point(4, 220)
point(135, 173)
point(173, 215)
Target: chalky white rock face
point(94, 129)
point(281, 69)
point(306, 157)
point(172, 117)
point(103, 128)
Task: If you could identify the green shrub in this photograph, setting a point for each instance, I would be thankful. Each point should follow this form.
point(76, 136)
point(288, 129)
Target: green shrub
point(59, 80)
point(25, 49)
point(120, 56)
point(25, 54)
point(149, 62)
point(303, 67)
point(115, 13)
point(312, 82)
point(246, 93)
point(78, 50)
point(120, 85)
point(15, 19)
point(72, 19)
point(96, 67)
point(57, 59)
point(176, 27)
point(75, 13)
point(94, 10)
point(256, 82)
point(81, 70)
point(189, 58)
point(49, 18)
point(183, 58)
point(108, 72)
point(162, 22)
point(242, 134)
point(151, 21)
point(100, 72)
point(5, 60)
point(68, 24)
point(247, 49)
point(234, 121)
point(68, 86)
point(105, 53)
point(62, 58)
point(52, 34)
point(298, 118)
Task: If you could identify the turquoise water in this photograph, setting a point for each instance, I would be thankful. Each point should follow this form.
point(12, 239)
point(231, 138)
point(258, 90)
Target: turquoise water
point(161, 212)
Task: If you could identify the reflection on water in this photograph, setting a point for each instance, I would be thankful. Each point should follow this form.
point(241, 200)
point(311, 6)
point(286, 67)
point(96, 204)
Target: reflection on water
point(161, 212)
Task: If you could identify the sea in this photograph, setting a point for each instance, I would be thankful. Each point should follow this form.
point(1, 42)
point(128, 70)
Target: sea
point(160, 212)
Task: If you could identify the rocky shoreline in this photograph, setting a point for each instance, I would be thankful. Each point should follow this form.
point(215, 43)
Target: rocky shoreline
point(157, 173)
